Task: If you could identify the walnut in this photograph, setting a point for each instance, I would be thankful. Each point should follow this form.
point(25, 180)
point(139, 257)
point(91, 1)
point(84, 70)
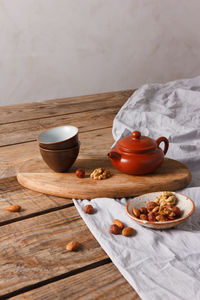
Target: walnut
point(161, 218)
point(166, 198)
point(100, 173)
point(164, 211)
point(156, 210)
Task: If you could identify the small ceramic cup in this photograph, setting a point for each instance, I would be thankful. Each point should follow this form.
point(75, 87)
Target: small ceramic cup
point(59, 138)
point(60, 160)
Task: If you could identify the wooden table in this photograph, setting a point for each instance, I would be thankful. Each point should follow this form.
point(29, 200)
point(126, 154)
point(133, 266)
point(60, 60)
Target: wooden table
point(34, 260)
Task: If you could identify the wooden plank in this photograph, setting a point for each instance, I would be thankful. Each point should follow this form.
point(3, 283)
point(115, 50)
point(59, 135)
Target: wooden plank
point(33, 250)
point(32, 203)
point(25, 131)
point(20, 157)
point(36, 110)
point(104, 282)
point(16, 158)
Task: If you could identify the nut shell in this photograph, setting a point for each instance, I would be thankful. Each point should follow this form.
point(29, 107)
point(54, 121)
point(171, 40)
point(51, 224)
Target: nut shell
point(118, 223)
point(151, 205)
point(72, 246)
point(143, 210)
point(88, 209)
point(128, 231)
point(177, 211)
point(114, 229)
point(80, 173)
point(136, 212)
point(143, 217)
point(13, 208)
point(151, 216)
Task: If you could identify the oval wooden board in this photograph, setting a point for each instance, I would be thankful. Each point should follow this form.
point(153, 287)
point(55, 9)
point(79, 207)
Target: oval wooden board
point(172, 175)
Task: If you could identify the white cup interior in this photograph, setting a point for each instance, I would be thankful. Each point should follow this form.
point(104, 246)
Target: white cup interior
point(58, 134)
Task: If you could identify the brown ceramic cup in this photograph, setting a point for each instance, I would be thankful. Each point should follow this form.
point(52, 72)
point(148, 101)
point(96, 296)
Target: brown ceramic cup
point(60, 160)
point(59, 138)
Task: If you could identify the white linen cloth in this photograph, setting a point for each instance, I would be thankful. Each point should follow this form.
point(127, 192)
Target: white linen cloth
point(159, 264)
point(171, 110)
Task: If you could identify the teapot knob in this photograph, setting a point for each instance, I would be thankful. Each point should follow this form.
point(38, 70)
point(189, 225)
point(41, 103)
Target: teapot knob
point(136, 135)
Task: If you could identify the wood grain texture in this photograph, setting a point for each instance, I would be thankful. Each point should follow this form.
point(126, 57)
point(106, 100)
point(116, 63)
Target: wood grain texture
point(31, 202)
point(104, 282)
point(172, 175)
point(25, 131)
point(45, 109)
point(33, 250)
point(17, 158)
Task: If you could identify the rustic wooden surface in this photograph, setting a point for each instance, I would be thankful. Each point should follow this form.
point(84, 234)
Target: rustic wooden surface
point(34, 262)
point(172, 175)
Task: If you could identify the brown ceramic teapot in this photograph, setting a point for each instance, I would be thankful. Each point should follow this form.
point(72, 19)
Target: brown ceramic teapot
point(137, 154)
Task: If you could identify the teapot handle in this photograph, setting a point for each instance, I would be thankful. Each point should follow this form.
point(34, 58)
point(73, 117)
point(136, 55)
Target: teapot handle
point(165, 140)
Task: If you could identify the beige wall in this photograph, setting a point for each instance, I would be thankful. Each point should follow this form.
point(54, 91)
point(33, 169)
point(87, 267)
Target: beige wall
point(58, 48)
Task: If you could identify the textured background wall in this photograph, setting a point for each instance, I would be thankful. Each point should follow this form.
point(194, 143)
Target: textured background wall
point(59, 48)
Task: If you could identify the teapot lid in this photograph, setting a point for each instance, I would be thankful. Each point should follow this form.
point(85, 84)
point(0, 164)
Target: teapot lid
point(136, 143)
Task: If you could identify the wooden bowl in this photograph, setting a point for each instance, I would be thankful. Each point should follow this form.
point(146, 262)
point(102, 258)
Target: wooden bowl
point(60, 160)
point(185, 204)
point(59, 138)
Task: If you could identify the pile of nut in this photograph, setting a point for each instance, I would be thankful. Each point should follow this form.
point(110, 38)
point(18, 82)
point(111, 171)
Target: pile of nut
point(162, 209)
point(100, 173)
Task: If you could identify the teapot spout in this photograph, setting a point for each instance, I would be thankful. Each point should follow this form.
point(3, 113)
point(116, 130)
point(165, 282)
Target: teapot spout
point(114, 155)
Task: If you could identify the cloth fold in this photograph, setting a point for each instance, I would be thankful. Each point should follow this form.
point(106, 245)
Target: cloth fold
point(159, 264)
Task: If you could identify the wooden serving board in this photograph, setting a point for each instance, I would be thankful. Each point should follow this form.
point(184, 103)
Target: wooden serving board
point(172, 175)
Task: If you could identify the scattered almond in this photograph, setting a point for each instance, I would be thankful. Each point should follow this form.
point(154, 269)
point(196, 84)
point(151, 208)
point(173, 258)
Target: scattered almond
point(13, 208)
point(72, 246)
point(127, 231)
point(118, 223)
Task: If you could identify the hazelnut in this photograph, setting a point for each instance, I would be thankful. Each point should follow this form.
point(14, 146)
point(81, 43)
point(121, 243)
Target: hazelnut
point(88, 209)
point(72, 246)
point(151, 216)
point(127, 231)
point(136, 212)
point(170, 206)
point(114, 229)
point(143, 217)
point(13, 208)
point(151, 205)
point(118, 223)
point(177, 211)
point(143, 210)
point(80, 173)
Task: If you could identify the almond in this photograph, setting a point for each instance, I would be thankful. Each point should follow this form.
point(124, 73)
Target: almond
point(127, 231)
point(136, 212)
point(72, 246)
point(13, 208)
point(118, 223)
